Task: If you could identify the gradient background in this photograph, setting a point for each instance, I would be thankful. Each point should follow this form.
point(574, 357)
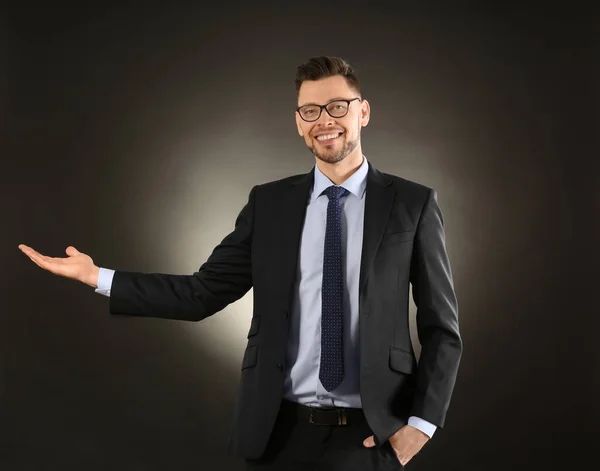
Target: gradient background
point(136, 134)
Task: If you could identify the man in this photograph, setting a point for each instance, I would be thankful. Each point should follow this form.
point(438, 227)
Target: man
point(329, 379)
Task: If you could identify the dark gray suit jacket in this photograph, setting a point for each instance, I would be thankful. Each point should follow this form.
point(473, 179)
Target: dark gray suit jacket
point(403, 242)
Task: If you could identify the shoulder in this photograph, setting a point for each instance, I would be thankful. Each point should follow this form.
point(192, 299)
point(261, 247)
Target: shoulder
point(408, 185)
point(276, 188)
point(284, 182)
point(409, 190)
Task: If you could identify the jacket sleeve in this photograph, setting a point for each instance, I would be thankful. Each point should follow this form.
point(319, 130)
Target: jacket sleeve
point(224, 278)
point(437, 317)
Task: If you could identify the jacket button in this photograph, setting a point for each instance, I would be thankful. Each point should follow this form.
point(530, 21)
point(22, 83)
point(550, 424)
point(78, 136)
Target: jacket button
point(279, 366)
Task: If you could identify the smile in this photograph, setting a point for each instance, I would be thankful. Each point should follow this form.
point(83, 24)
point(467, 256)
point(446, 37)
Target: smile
point(328, 138)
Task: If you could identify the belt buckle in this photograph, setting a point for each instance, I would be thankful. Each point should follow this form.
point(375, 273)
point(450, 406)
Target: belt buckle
point(341, 419)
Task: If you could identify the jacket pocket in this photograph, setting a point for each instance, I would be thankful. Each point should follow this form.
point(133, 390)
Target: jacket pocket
point(401, 236)
point(254, 326)
point(250, 357)
point(401, 361)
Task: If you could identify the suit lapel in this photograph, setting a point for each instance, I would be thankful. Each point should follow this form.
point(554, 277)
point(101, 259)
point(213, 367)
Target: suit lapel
point(378, 204)
point(379, 199)
point(292, 212)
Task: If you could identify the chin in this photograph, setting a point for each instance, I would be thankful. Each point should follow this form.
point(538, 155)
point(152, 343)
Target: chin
point(331, 158)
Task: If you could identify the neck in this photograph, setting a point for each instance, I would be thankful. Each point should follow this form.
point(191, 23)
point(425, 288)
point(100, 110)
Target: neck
point(340, 171)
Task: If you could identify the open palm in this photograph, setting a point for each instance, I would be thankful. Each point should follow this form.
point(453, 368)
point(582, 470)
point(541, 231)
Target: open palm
point(78, 266)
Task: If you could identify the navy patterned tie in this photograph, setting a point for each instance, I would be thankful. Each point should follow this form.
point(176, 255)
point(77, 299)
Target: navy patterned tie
point(331, 371)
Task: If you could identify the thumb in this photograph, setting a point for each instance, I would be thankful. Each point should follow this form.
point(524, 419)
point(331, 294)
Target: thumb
point(71, 251)
point(369, 442)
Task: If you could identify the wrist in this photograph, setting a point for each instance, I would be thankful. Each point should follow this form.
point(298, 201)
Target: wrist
point(93, 278)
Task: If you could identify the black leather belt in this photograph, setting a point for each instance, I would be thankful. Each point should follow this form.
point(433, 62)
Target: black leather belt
point(338, 416)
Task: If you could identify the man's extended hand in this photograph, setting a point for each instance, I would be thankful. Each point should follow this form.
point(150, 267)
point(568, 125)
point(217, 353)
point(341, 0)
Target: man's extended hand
point(77, 266)
point(406, 442)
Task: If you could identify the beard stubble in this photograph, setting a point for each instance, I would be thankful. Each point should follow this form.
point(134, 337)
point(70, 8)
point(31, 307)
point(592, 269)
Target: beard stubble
point(334, 157)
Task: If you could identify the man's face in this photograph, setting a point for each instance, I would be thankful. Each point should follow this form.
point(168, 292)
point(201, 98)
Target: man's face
point(321, 92)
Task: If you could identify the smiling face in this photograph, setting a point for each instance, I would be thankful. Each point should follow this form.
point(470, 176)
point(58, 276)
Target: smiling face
point(345, 131)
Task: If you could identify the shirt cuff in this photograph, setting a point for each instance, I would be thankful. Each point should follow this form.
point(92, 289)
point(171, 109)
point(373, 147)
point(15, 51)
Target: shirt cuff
point(105, 277)
point(426, 427)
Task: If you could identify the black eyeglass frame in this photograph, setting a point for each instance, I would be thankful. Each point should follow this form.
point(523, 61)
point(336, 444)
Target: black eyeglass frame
point(324, 107)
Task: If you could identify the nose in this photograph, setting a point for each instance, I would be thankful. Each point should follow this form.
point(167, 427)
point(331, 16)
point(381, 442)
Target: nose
point(324, 119)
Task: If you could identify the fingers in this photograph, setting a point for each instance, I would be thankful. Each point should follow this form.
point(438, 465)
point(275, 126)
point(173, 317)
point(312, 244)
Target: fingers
point(37, 263)
point(42, 261)
point(38, 258)
point(30, 252)
point(70, 251)
point(27, 250)
point(369, 442)
point(69, 267)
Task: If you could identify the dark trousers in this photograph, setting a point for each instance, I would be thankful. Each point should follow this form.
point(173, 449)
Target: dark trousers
point(298, 445)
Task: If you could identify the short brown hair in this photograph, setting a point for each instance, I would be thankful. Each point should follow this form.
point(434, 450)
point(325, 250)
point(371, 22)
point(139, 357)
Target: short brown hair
point(326, 66)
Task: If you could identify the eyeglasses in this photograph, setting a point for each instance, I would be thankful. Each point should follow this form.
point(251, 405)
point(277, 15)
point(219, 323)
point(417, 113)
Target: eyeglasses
point(335, 109)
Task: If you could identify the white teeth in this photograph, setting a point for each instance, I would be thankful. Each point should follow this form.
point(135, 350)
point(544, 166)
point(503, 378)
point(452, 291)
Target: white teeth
point(329, 136)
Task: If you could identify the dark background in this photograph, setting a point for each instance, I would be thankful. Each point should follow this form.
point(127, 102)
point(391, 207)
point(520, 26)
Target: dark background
point(136, 133)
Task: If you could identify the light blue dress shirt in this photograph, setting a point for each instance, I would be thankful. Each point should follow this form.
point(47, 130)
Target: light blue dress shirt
point(302, 383)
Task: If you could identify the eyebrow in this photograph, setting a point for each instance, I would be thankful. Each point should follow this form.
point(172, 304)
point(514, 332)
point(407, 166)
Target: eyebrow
point(333, 99)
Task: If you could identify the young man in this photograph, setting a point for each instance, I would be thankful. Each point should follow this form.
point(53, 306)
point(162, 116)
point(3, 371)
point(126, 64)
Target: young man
point(329, 379)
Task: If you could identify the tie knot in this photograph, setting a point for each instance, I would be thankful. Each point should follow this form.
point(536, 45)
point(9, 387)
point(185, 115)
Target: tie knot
point(335, 192)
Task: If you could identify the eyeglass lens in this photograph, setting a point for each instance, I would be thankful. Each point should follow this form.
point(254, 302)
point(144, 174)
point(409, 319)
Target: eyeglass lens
point(336, 109)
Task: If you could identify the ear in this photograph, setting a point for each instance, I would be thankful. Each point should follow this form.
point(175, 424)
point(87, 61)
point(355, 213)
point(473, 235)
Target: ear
point(298, 124)
point(365, 113)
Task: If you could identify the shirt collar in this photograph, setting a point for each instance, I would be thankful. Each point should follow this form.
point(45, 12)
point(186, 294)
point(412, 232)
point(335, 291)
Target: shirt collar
point(355, 184)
